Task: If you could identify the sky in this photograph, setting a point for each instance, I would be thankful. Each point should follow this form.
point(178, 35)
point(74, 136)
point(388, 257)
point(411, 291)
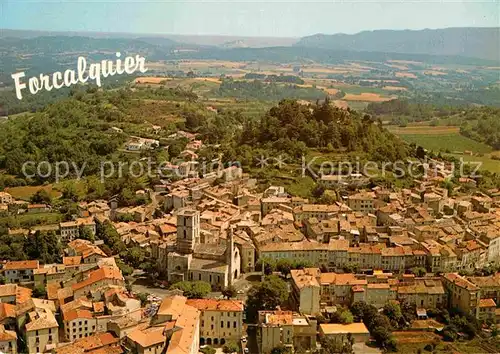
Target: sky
point(245, 18)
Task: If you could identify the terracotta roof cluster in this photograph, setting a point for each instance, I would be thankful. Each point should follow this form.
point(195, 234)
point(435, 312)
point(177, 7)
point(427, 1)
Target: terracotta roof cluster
point(184, 319)
point(105, 273)
point(104, 343)
point(85, 248)
point(460, 281)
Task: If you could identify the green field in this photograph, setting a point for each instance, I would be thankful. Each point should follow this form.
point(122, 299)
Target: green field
point(28, 220)
point(358, 105)
point(439, 138)
point(452, 142)
point(487, 163)
point(25, 192)
point(448, 139)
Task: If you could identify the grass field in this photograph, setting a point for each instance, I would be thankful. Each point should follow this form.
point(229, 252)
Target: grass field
point(451, 142)
point(440, 138)
point(25, 192)
point(487, 163)
point(27, 220)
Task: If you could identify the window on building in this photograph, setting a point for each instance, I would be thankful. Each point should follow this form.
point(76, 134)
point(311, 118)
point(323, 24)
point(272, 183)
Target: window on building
point(234, 324)
point(221, 324)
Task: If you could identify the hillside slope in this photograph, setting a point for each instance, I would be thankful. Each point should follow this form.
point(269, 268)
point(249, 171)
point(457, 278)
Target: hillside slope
point(472, 42)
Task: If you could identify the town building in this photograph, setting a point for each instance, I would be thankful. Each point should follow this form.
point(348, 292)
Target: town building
point(220, 320)
point(20, 272)
point(462, 293)
point(306, 290)
point(341, 333)
point(285, 329)
point(42, 331)
point(218, 265)
point(8, 341)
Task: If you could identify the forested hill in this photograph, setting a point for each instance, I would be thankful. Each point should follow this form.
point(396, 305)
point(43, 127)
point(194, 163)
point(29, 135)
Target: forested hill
point(292, 129)
point(468, 42)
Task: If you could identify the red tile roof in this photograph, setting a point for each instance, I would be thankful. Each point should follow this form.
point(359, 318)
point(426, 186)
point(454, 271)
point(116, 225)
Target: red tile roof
point(215, 305)
point(98, 275)
point(77, 313)
point(21, 265)
point(487, 303)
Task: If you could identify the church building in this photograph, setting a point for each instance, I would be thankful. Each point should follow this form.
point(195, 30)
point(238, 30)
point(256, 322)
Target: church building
point(216, 264)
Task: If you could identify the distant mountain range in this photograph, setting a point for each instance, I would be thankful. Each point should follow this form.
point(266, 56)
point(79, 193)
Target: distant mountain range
point(471, 42)
point(467, 42)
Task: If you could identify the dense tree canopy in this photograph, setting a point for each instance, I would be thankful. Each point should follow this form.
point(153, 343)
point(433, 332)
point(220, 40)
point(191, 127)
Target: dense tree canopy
point(193, 289)
point(266, 295)
point(292, 127)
